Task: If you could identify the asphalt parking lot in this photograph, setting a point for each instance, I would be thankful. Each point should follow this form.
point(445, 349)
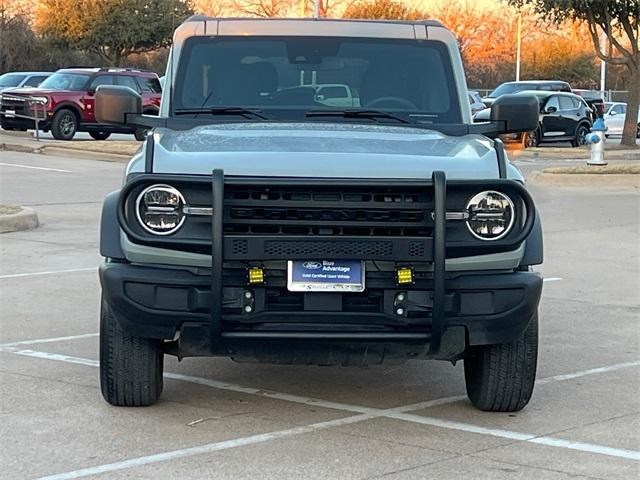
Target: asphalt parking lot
point(218, 419)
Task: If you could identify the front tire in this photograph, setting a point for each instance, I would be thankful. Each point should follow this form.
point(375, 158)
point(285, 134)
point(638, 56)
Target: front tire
point(64, 125)
point(580, 137)
point(532, 139)
point(130, 367)
point(500, 378)
point(99, 135)
point(140, 134)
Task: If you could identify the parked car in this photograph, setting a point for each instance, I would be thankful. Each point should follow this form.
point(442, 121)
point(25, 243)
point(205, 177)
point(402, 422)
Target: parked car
point(614, 117)
point(563, 117)
point(276, 229)
point(594, 98)
point(69, 99)
point(515, 87)
point(475, 100)
point(22, 79)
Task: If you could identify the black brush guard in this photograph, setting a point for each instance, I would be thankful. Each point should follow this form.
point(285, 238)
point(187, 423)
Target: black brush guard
point(210, 338)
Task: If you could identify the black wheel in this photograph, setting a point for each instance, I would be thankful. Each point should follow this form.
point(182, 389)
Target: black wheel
point(500, 378)
point(99, 135)
point(140, 134)
point(581, 134)
point(532, 139)
point(64, 125)
point(130, 367)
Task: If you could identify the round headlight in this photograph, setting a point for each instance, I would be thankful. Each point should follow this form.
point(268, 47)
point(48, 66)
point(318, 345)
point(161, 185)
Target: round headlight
point(491, 215)
point(159, 209)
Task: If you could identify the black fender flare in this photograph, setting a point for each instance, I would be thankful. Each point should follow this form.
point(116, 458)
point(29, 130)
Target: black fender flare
point(110, 228)
point(534, 245)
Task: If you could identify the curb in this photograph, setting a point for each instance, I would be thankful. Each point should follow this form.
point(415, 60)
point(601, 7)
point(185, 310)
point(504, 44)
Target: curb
point(68, 152)
point(584, 179)
point(25, 219)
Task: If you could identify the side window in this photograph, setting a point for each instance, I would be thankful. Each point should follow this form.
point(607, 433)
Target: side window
point(127, 81)
point(552, 102)
point(149, 85)
point(333, 92)
point(35, 80)
point(102, 80)
point(566, 103)
point(618, 109)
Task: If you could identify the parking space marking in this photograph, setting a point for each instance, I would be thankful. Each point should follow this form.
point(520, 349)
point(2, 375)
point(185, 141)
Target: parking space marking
point(591, 371)
point(523, 437)
point(50, 272)
point(50, 340)
point(207, 448)
point(552, 279)
point(35, 168)
point(365, 413)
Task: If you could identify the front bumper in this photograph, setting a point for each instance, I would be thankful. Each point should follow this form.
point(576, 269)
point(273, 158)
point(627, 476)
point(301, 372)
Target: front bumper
point(436, 317)
point(479, 309)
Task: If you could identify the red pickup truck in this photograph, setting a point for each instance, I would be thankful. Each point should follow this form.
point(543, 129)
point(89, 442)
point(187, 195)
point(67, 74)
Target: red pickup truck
point(64, 103)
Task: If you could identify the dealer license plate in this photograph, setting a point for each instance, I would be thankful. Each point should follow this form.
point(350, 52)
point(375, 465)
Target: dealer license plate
point(325, 276)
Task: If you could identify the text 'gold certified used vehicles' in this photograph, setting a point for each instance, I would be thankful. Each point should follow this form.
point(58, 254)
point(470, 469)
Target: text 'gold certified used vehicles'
point(314, 192)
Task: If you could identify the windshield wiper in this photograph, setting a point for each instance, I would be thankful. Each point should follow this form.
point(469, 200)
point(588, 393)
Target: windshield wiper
point(372, 114)
point(240, 111)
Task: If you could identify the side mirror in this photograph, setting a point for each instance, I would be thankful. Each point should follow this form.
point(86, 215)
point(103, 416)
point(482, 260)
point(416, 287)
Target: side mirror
point(550, 110)
point(612, 113)
point(114, 103)
point(518, 113)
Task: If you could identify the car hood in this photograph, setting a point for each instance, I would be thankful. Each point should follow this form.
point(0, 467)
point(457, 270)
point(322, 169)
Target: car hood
point(28, 91)
point(320, 150)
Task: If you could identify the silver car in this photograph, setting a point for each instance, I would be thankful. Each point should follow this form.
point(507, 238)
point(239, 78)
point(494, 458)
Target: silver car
point(262, 223)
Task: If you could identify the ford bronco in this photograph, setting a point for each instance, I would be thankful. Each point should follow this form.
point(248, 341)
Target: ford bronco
point(261, 224)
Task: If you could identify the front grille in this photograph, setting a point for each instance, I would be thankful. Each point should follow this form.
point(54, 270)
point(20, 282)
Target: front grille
point(352, 211)
point(318, 249)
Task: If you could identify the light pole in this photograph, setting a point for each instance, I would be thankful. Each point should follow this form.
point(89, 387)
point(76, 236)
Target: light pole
point(603, 65)
point(519, 41)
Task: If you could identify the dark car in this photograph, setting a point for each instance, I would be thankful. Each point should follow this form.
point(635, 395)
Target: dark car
point(564, 117)
point(516, 87)
point(22, 79)
point(67, 98)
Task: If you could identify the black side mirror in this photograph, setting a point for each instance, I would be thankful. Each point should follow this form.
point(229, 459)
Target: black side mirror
point(518, 113)
point(114, 103)
point(551, 110)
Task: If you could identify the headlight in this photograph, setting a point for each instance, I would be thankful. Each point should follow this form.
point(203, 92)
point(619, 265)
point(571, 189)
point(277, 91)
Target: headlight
point(491, 215)
point(40, 100)
point(159, 209)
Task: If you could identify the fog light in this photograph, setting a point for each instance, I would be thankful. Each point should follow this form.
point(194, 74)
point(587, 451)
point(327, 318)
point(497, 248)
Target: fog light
point(404, 275)
point(255, 275)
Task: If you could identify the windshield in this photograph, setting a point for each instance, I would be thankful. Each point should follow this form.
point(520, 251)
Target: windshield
point(288, 76)
point(65, 81)
point(11, 80)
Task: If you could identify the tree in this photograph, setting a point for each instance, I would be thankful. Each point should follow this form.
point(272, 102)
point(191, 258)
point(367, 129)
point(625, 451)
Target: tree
point(383, 10)
point(619, 21)
point(326, 8)
point(114, 29)
point(263, 8)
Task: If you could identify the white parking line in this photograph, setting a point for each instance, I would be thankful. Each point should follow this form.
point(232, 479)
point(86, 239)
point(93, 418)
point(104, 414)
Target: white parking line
point(365, 413)
point(34, 168)
point(207, 448)
point(552, 279)
point(50, 340)
point(50, 272)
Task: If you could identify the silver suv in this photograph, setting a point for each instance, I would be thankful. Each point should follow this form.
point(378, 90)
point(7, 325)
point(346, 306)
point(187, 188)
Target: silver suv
point(262, 223)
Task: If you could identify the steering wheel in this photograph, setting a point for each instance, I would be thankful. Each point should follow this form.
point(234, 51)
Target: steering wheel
point(400, 101)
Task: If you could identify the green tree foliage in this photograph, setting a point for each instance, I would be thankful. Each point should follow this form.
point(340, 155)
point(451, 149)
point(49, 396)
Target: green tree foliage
point(619, 21)
point(383, 10)
point(114, 29)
